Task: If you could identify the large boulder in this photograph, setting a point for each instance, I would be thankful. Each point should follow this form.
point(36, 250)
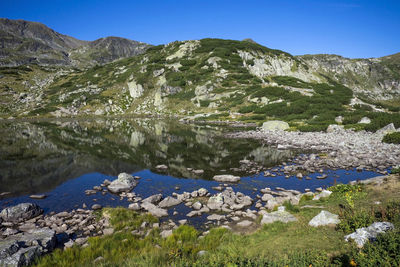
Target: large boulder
point(215, 202)
point(20, 212)
point(324, 218)
point(124, 183)
point(22, 249)
point(365, 120)
point(274, 126)
point(226, 178)
point(278, 216)
point(154, 199)
point(387, 129)
point(169, 202)
point(362, 235)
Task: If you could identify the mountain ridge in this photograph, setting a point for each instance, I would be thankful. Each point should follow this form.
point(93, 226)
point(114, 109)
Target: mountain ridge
point(204, 79)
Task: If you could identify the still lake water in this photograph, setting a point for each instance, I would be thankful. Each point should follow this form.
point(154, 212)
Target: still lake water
point(63, 158)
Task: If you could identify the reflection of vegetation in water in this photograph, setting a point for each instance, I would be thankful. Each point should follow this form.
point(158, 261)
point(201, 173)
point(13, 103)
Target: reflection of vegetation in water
point(101, 144)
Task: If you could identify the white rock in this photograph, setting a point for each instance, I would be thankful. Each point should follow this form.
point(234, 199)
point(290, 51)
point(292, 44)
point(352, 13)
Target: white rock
point(274, 126)
point(324, 218)
point(362, 235)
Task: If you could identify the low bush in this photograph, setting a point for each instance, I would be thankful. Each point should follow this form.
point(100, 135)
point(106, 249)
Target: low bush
point(392, 138)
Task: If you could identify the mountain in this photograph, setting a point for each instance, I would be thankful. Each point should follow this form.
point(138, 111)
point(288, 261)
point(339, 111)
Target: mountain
point(207, 79)
point(24, 42)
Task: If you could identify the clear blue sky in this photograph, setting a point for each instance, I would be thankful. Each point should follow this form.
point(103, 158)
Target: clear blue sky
point(353, 28)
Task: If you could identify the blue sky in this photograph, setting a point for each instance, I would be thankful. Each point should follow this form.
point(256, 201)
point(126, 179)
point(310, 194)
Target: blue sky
point(353, 28)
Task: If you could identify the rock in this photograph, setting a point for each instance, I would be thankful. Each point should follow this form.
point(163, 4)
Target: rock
point(324, 218)
point(100, 258)
point(198, 172)
point(299, 175)
point(271, 204)
point(278, 216)
point(323, 194)
point(23, 211)
point(153, 198)
point(334, 128)
point(216, 217)
point(124, 183)
point(202, 192)
point(182, 222)
point(387, 129)
point(154, 210)
point(169, 202)
point(244, 223)
point(96, 207)
point(274, 126)
point(339, 119)
point(23, 257)
point(162, 167)
point(10, 231)
point(201, 253)
point(215, 202)
point(108, 231)
point(134, 206)
point(226, 178)
point(166, 233)
point(37, 196)
point(197, 205)
point(362, 235)
point(365, 120)
point(266, 197)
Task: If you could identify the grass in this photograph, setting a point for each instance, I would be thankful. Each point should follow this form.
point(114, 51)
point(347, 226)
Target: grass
point(277, 244)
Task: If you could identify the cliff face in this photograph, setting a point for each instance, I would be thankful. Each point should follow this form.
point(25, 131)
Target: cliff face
point(24, 42)
point(378, 78)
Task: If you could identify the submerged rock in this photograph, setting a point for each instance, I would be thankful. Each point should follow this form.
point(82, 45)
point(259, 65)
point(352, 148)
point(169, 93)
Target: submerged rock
point(324, 218)
point(124, 183)
point(362, 235)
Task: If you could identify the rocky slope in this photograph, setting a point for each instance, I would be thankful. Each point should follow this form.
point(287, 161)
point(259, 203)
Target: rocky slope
point(210, 79)
point(24, 42)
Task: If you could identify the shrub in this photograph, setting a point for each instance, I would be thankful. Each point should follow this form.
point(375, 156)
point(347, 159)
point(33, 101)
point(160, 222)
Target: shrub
point(349, 221)
point(247, 109)
point(393, 138)
point(395, 170)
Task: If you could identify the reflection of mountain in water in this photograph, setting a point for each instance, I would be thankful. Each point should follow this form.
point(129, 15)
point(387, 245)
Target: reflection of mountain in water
point(38, 156)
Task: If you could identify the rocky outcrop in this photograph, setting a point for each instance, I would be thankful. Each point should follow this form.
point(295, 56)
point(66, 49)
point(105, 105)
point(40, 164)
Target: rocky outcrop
point(278, 216)
point(20, 212)
point(365, 234)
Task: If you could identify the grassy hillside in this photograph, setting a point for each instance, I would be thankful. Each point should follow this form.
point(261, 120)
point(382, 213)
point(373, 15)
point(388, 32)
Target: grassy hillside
point(210, 79)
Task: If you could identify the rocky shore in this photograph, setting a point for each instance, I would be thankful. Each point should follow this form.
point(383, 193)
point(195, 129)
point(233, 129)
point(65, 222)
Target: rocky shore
point(25, 233)
point(336, 149)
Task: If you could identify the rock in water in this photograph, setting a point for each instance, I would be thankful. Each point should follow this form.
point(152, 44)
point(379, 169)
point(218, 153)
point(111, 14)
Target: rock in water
point(324, 218)
point(278, 216)
point(169, 202)
point(153, 198)
point(362, 235)
point(124, 183)
point(274, 126)
point(20, 212)
point(226, 178)
point(154, 210)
